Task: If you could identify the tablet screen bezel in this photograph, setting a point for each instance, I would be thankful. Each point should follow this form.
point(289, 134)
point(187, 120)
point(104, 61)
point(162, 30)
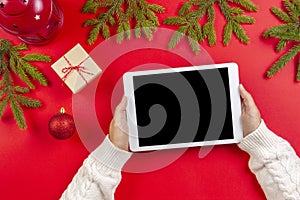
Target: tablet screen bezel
point(235, 101)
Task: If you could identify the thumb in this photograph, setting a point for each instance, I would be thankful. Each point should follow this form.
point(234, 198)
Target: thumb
point(122, 105)
point(246, 96)
point(120, 115)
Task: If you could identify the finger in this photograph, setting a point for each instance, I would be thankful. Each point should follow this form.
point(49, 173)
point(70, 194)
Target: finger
point(246, 96)
point(243, 92)
point(120, 117)
point(122, 105)
point(243, 108)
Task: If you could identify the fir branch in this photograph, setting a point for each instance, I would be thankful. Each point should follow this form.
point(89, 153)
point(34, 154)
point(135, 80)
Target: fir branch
point(93, 35)
point(193, 40)
point(91, 6)
point(147, 32)
point(273, 31)
point(21, 66)
point(18, 113)
point(34, 73)
point(91, 22)
point(3, 104)
point(297, 3)
point(283, 60)
point(287, 32)
point(24, 77)
point(199, 32)
point(12, 62)
point(209, 33)
point(243, 19)
point(176, 37)
point(20, 47)
point(193, 11)
point(126, 27)
point(36, 57)
point(121, 14)
point(227, 33)
point(175, 21)
point(281, 45)
point(298, 71)
point(291, 8)
point(247, 5)
point(120, 36)
point(28, 102)
point(236, 11)
point(156, 8)
point(21, 89)
point(280, 14)
point(105, 31)
point(184, 10)
point(208, 28)
point(240, 32)
point(2, 91)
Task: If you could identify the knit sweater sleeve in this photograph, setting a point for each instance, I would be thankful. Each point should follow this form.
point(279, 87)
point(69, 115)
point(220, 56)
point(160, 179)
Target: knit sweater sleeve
point(99, 175)
point(274, 162)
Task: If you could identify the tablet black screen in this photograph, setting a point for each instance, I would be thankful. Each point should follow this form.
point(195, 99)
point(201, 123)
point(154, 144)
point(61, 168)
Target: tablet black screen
point(183, 107)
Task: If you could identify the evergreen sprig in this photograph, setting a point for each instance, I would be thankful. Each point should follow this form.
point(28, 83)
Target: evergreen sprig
point(288, 32)
point(13, 64)
point(121, 14)
point(193, 11)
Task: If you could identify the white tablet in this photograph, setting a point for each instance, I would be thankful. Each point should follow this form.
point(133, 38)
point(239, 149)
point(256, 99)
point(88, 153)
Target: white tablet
point(183, 107)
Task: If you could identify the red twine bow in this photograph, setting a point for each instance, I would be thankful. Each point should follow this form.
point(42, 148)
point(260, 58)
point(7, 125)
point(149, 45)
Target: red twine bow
point(80, 69)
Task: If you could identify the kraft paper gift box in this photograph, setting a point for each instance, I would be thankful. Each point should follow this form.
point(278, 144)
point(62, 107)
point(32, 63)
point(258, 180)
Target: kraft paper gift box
point(76, 68)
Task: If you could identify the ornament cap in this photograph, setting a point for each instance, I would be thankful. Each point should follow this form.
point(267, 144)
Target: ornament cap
point(62, 110)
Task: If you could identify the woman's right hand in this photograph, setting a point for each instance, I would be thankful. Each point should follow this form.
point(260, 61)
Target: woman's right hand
point(250, 114)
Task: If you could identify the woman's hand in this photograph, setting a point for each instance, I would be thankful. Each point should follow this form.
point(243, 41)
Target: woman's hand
point(250, 114)
point(118, 132)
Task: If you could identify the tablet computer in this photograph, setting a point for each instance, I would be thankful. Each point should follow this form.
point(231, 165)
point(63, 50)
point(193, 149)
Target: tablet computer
point(183, 107)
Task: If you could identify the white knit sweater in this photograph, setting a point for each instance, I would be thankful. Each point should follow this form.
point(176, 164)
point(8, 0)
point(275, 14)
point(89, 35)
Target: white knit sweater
point(272, 160)
point(100, 174)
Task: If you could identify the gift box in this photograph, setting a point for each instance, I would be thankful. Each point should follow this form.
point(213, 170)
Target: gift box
point(76, 68)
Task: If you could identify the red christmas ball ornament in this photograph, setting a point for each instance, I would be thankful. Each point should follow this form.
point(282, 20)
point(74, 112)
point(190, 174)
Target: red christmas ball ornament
point(61, 126)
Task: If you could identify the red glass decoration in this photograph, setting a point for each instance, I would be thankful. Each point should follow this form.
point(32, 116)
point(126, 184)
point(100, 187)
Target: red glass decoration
point(33, 21)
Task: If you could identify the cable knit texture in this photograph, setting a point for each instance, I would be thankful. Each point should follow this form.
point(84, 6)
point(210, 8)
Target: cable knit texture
point(274, 162)
point(99, 175)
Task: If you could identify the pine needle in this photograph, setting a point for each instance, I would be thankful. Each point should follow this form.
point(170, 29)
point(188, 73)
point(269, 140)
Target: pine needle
point(188, 17)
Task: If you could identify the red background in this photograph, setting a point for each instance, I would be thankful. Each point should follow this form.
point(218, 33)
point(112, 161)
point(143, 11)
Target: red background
point(34, 165)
